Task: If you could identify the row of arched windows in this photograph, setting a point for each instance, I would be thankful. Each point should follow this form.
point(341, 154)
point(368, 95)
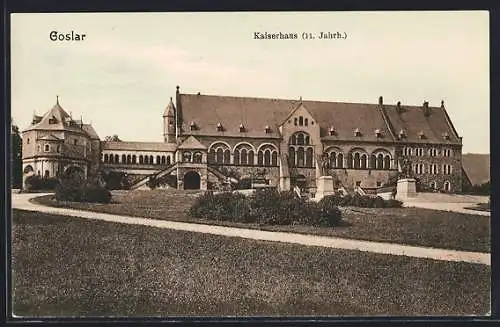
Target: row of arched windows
point(358, 159)
point(196, 157)
point(243, 154)
point(446, 186)
point(133, 159)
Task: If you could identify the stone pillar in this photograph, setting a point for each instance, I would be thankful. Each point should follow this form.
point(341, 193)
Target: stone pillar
point(284, 183)
point(324, 187)
point(406, 188)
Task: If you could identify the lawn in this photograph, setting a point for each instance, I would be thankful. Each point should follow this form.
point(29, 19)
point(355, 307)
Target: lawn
point(412, 226)
point(72, 266)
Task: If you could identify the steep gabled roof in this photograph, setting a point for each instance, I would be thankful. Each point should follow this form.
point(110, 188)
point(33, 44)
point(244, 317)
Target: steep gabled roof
point(192, 143)
point(412, 120)
point(90, 131)
point(207, 111)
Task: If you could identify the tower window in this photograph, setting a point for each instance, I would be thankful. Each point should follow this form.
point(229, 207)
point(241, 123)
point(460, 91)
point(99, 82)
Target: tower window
point(75, 141)
point(28, 141)
point(219, 127)
point(192, 126)
point(46, 148)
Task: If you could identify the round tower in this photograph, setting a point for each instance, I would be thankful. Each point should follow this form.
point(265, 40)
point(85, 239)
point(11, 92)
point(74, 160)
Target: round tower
point(169, 123)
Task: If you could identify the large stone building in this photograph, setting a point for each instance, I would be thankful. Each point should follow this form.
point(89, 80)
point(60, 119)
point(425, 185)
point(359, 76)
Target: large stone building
point(209, 139)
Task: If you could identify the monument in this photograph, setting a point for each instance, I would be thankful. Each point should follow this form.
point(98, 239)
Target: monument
point(407, 185)
point(324, 184)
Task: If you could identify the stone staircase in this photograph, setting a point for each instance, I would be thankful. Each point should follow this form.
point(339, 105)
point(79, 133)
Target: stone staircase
point(159, 174)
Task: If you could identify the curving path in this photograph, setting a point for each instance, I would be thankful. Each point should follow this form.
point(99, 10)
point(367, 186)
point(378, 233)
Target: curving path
point(21, 201)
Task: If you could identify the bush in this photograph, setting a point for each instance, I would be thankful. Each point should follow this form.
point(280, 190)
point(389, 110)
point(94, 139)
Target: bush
point(36, 182)
point(78, 190)
point(266, 206)
point(222, 206)
point(330, 214)
point(244, 184)
point(392, 203)
point(94, 193)
point(378, 202)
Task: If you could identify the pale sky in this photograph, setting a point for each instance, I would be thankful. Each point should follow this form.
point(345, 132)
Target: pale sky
point(122, 75)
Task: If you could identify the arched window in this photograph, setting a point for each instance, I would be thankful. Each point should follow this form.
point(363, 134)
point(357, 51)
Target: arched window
point(260, 158)
point(309, 157)
point(333, 159)
point(169, 160)
point(106, 157)
point(227, 157)
point(300, 139)
point(250, 157)
point(340, 160)
point(274, 158)
point(243, 158)
point(447, 186)
point(293, 139)
point(300, 157)
point(134, 159)
point(124, 158)
point(151, 159)
point(197, 157)
point(46, 148)
point(158, 160)
point(236, 157)
point(117, 158)
point(129, 159)
point(219, 156)
point(163, 160)
point(433, 185)
point(111, 158)
point(380, 161)
point(364, 159)
point(301, 121)
point(305, 121)
point(387, 162)
point(46, 174)
point(267, 157)
point(295, 121)
point(186, 156)
point(373, 162)
point(357, 162)
point(141, 159)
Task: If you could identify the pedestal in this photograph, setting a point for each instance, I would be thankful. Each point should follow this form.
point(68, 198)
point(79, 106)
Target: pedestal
point(324, 187)
point(407, 188)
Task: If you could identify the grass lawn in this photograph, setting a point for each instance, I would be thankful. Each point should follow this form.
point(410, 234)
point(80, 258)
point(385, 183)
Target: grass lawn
point(412, 226)
point(73, 266)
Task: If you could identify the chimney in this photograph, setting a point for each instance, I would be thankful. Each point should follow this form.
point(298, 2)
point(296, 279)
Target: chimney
point(425, 108)
point(442, 103)
point(381, 100)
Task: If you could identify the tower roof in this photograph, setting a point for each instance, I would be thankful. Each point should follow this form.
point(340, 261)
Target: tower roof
point(170, 109)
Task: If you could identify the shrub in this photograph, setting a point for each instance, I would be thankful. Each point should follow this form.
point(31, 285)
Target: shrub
point(244, 184)
point(36, 182)
point(77, 190)
point(70, 189)
point(221, 206)
point(266, 206)
point(94, 193)
point(378, 202)
point(392, 203)
point(330, 214)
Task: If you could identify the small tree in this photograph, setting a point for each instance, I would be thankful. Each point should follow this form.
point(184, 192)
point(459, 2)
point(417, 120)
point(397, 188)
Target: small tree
point(16, 157)
point(112, 138)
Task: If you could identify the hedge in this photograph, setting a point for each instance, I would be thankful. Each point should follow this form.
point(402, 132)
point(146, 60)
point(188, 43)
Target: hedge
point(266, 206)
point(77, 190)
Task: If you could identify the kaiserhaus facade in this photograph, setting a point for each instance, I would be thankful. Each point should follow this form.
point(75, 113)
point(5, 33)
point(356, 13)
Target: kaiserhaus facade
point(211, 139)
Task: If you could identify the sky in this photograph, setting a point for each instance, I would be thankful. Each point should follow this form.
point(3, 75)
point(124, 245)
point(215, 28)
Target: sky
point(122, 75)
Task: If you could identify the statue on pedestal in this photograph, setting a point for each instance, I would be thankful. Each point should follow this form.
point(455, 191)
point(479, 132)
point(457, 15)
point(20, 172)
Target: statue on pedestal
point(405, 168)
point(325, 164)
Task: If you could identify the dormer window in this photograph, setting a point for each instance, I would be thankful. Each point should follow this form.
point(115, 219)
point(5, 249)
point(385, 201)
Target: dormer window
point(332, 131)
point(53, 120)
point(242, 128)
point(421, 135)
point(378, 133)
point(192, 126)
point(446, 136)
point(219, 127)
point(402, 134)
point(267, 129)
point(357, 132)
